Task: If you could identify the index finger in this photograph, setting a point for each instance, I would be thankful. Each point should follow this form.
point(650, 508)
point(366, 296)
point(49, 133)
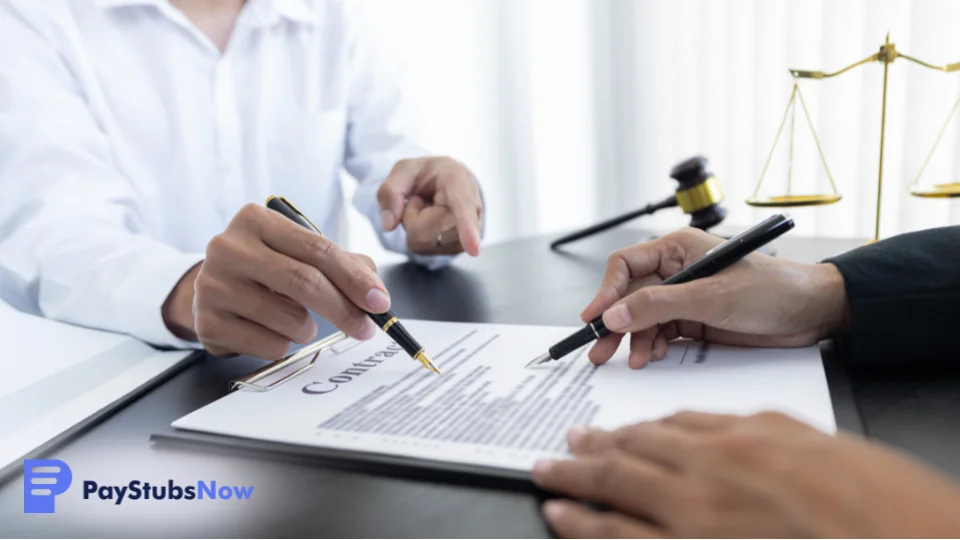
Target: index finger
point(354, 279)
point(463, 200)
point(623, 266)
point(700, 421)
point(652, 441)
point(659, 258)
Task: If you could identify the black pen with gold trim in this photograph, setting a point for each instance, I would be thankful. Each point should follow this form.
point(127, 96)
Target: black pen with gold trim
point(388, 322)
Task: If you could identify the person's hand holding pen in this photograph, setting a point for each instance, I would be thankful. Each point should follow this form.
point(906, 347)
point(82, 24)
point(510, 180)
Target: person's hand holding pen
point(438, 203)
point(760, 301)
point(260, 276)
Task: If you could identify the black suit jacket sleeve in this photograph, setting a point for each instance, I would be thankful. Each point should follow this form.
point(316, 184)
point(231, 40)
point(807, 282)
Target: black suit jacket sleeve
point(904, 295)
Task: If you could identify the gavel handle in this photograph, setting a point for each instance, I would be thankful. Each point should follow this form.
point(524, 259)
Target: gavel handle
point(613, 222)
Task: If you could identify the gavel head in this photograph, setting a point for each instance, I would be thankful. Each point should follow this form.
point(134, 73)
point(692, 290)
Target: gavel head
point(698, 194)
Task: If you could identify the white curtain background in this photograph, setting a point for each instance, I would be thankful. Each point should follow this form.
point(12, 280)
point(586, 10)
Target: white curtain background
point(571, 111)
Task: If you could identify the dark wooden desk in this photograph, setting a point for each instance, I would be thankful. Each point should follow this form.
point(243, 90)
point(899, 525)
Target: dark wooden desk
point(517, 282)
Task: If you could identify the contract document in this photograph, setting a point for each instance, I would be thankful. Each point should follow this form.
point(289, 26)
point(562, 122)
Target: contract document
point(486, 410)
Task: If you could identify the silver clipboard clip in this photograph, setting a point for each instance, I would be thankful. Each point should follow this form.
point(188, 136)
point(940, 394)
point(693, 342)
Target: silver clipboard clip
point(312, 351)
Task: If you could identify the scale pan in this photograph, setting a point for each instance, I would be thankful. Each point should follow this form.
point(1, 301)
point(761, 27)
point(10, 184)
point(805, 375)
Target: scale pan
point(938, 191)
point(782, 201)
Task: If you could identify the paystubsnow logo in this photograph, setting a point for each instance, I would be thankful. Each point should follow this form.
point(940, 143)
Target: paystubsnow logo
point(43, 479)
point(137, 490)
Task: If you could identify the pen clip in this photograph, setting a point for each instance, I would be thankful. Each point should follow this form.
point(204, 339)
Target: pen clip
point(311, 351)
point(295, 209)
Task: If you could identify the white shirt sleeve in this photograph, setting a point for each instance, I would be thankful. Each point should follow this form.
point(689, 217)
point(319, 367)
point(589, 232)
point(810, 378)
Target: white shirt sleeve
point(382, 125)
point(72, 240)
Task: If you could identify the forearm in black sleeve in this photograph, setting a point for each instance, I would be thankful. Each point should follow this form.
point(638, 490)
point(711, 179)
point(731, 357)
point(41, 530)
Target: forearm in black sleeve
point(904, 295)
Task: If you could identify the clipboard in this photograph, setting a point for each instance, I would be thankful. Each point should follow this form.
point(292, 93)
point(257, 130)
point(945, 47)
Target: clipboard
point(846, 413)
point(307, 356)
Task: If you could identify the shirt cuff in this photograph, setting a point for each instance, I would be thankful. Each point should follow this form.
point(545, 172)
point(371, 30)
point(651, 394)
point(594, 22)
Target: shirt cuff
point(144, 294)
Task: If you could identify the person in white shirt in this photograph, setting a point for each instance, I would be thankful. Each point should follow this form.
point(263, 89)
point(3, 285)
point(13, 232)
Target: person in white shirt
point(139, 140)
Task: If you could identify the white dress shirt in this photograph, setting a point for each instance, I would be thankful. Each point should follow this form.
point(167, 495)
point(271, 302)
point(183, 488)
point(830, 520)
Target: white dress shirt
point(127, 140)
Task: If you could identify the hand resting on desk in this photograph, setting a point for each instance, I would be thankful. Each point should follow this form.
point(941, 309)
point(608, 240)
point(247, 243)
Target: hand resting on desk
point(767, 475)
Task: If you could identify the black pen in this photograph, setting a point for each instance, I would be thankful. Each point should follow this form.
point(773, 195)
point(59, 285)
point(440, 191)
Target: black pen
point(712, 262)
point(388, 322)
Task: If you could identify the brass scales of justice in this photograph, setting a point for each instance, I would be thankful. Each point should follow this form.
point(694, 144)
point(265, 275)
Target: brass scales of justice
point(887, 54)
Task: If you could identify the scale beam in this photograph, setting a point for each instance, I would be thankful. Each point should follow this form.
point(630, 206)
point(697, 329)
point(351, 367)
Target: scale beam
point(801, 74)
point(886, 55)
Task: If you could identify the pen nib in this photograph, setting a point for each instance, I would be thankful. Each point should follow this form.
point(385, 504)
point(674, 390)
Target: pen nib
point(542, 359)
point(425, 360)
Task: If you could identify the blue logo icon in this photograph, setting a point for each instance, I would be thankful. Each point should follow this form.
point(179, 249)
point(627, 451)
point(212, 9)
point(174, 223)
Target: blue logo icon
point(43, 479)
